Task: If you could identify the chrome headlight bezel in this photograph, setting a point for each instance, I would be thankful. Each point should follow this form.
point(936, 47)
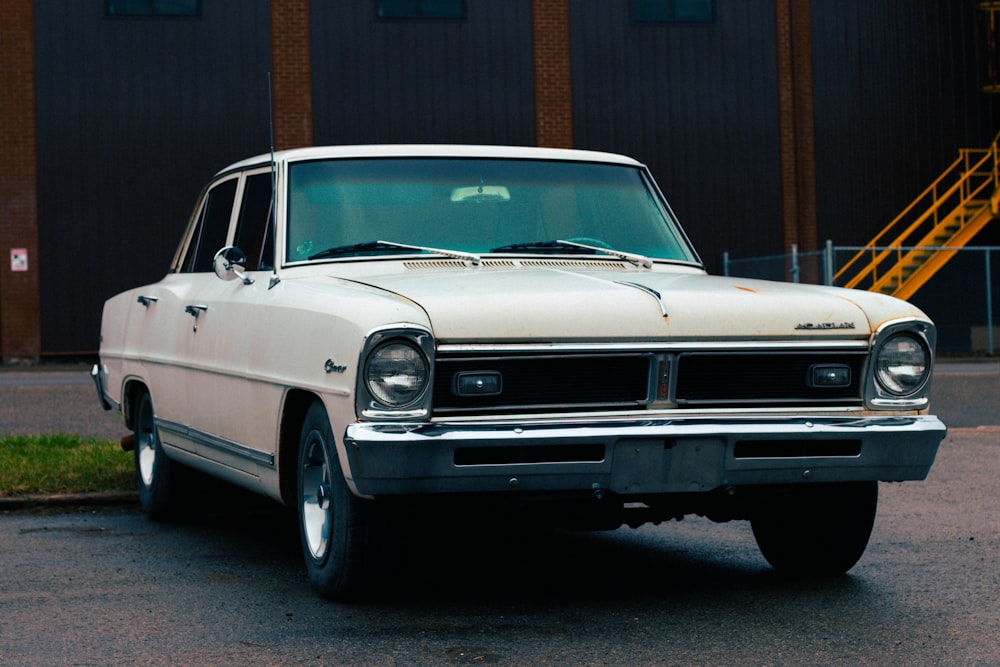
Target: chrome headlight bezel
point(899, 389)
point(408, 350)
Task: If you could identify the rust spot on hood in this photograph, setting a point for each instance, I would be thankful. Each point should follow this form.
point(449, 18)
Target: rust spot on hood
point(745, 289)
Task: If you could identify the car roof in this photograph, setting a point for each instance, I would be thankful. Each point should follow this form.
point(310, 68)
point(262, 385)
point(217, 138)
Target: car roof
point(432, 151)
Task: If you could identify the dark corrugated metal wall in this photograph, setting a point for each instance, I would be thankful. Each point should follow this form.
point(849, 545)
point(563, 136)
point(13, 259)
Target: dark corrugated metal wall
point(697, 102)
point(134, 115)
point(896, 96)
point(467, 81)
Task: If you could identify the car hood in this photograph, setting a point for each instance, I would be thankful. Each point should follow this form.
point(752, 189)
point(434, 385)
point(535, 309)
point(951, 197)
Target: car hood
point(563, 305)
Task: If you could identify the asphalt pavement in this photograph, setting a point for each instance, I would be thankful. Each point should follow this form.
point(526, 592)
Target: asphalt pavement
point(54, 398)
point(87, 587)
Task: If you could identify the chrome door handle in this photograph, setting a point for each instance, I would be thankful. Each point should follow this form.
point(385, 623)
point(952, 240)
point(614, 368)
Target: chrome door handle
point(195, 310)
point(146, 300)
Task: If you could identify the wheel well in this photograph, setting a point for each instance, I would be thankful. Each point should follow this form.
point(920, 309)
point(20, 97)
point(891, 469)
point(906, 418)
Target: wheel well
point(297, 403)
point(130, 395)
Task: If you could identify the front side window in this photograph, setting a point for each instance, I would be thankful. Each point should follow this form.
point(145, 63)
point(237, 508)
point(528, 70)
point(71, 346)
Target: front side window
point(254, 232)
point(212, 228)
point(474, 205)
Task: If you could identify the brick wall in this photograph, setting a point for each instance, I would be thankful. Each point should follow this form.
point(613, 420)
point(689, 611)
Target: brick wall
point(553, 89)
point(20, 334)
point(796, 127)
point(291, 74)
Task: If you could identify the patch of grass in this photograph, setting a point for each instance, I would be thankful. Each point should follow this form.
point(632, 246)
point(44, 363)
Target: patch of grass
point(46, 464)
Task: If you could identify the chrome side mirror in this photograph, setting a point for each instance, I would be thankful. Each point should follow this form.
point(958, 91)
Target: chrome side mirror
point(230, 263)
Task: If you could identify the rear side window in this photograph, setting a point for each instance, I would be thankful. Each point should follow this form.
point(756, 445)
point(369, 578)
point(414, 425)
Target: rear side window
point(212, 228)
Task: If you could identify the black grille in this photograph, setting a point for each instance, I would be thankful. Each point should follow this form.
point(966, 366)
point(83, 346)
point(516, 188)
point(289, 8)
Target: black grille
point(773, 378)
point(508, 455)
point(546, 382)
point(786, 449)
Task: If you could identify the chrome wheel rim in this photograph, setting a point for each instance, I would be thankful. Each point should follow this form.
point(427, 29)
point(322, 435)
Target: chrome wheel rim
point(146, 447)
point(316, 503)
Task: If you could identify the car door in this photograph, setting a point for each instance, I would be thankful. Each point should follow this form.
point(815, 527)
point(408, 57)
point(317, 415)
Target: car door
point(226, 317)
point(174, 319)
point(165, 319)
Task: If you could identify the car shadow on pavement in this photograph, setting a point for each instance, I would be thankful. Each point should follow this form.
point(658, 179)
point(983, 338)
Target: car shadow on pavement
point(455, 560)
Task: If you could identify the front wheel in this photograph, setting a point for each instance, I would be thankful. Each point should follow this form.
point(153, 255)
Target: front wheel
point(817, 530)
point(336, 528)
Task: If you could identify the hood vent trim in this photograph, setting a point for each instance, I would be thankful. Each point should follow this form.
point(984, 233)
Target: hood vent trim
point(563, 264)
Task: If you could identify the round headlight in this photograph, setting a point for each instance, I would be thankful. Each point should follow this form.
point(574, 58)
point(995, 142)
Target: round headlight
point(902, 365)
point(396, 373)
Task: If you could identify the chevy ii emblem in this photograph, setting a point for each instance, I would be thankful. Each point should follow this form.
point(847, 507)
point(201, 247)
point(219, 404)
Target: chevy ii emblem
point(331, 367)
point(825, 325)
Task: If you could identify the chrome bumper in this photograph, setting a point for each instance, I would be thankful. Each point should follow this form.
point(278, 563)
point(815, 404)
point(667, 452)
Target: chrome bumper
point(100, 379)
point(638, 457)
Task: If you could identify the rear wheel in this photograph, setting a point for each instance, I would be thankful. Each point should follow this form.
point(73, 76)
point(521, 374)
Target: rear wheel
point(817, 530)
point(155, 474)
point(336, 528)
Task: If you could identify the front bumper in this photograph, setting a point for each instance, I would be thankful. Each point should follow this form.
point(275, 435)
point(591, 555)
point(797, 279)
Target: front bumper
point(100, 378)
point(638, 457)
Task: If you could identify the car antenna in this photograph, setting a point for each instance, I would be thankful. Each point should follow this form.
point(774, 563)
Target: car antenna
point(274, 184)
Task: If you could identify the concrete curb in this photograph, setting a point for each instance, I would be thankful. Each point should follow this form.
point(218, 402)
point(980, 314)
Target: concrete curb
point(64, 499)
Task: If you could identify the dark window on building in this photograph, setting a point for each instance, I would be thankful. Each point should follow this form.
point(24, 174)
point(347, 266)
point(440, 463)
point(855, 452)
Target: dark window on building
point(673, 11)
point(420, 9)
point(152, 7)
point(213, 228)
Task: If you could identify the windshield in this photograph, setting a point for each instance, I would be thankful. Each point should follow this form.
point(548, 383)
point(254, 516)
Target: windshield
point(341, 208)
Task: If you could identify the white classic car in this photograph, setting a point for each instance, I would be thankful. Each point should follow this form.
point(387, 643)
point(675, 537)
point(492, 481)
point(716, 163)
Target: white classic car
point(355, 331)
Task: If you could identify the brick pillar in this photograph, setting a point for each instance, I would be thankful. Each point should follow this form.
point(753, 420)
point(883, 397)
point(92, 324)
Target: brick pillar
point(20, 311)
point(551, 58)
point(795, 123)
point(291, 74)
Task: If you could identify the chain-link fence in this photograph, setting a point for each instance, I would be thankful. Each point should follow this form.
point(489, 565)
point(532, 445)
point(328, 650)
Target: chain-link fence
point(959, 298)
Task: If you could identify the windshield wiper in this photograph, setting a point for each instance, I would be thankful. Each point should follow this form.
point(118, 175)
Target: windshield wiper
point(536, 246)
point(634, 258)
point(355, 248)
point(549, 246)
point(390, 246)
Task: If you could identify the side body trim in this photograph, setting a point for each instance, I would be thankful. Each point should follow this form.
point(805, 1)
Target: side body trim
point(216, 443)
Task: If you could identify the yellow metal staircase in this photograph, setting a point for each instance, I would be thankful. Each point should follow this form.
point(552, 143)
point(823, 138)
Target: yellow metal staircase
point(928, 233)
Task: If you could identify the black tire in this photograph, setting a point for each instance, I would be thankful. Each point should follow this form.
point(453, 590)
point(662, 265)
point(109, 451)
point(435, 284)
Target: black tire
point(816, 531)
point(155, 474)
point(337, 530)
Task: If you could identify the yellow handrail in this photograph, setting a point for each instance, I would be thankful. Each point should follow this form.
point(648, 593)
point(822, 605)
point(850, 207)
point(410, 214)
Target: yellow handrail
point(964, 170)
point(888, 247)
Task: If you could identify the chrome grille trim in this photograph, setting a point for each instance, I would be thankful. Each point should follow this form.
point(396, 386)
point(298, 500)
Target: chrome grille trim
point(587, 378)
point(653, 346)
point(548, 383)
point(762, 378)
